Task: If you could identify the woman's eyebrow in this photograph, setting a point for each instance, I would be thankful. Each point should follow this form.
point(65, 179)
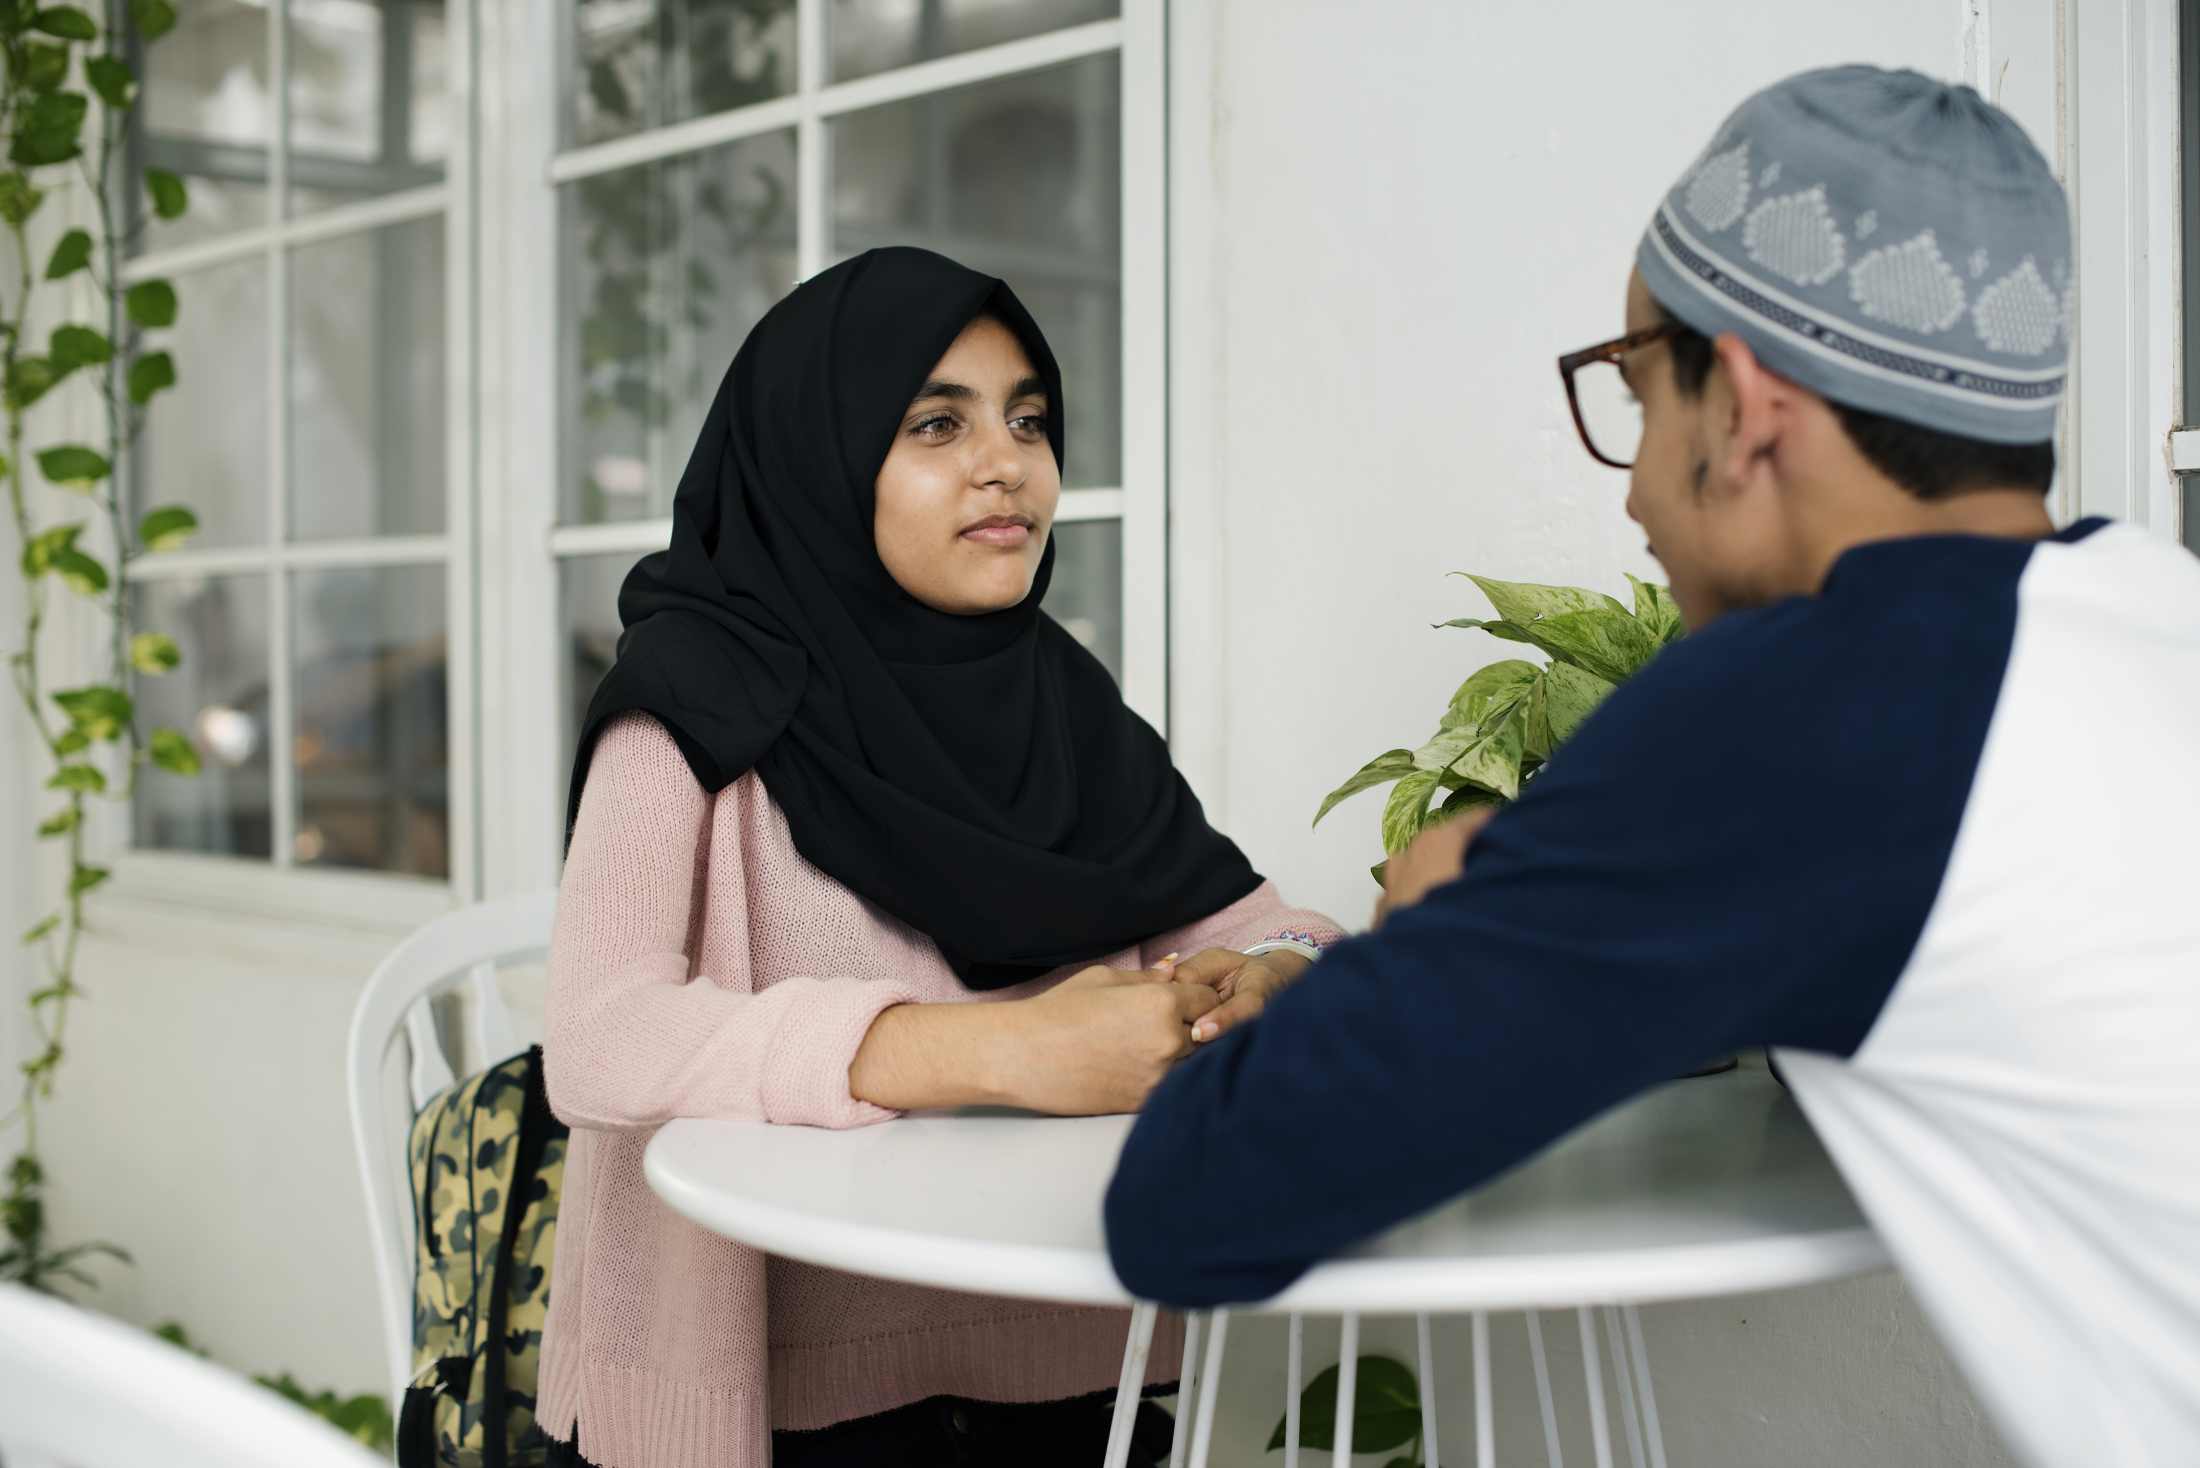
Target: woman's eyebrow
point(939, 388)
point(1033, 386)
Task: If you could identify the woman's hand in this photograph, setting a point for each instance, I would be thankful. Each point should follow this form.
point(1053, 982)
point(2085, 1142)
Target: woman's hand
point(1244, 984)
point(1099, 1041)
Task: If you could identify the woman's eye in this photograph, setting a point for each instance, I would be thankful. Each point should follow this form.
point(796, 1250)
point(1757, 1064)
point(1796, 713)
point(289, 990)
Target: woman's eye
point(935, 426)
point(1030, 422)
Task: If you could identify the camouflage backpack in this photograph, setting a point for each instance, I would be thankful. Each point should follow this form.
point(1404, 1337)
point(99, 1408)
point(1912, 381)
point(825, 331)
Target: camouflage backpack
point(487, 1158)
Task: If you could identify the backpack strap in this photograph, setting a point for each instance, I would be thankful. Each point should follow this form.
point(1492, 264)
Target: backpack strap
point(535, 1126)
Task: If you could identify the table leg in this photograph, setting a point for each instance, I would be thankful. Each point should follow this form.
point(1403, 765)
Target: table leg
point(1210, 1379)
point(1623, 1378)
point(1641, 1353)
point(1291, 1393)
point(1348, 1383)
point(1552, 1457)
point(1428, 1393)
point(1132, 1384)
point(1485, 1414)
point(1593, 1373)
point(1187, 1387)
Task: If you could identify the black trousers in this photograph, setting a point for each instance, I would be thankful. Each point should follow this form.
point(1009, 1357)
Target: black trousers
point(955, 1432)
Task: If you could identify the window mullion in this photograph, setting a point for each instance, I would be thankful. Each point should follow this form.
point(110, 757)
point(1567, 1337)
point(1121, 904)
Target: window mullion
point(1145, 366)
point(519, 351)
point(811, 179)
point(461, 634)
point(282, 714)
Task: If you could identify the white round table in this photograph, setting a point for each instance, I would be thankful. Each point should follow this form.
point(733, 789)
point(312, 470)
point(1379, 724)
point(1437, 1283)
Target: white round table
point(1703, 1187)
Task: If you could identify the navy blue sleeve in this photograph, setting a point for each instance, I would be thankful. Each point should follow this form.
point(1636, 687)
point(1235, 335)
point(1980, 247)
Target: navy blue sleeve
point(1739, 848)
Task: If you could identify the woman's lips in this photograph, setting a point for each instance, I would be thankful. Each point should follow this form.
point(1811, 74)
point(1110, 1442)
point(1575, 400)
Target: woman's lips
point(1001, 535)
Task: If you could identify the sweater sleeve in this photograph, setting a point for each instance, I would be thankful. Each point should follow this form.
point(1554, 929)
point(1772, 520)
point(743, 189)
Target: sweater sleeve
point(1259, 915)
point(1739, 848)
point(635, 1037)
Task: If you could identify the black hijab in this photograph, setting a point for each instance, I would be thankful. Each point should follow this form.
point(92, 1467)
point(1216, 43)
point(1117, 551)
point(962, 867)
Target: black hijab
point(978, 778)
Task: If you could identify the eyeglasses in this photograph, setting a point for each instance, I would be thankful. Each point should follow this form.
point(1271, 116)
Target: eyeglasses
point(1605, 408)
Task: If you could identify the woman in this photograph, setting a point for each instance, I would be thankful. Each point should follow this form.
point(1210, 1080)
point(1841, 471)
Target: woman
point(856, 828)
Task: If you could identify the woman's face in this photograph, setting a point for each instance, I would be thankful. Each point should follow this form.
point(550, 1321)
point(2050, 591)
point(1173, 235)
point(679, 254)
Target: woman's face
point(967, 495)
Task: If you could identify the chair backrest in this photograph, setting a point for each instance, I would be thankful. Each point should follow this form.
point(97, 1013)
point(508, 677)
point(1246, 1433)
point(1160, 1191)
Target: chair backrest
point(459, 948)
point(96, 1393)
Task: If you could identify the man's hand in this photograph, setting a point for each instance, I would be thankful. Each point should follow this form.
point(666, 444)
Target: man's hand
point(1435, 857)
point(1245, 984)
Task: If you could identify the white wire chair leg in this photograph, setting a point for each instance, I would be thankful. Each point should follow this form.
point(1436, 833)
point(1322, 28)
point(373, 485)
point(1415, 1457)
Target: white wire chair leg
point(1428, 1391)
point(1131, 1384)
point(1648, 1398)
point(1210, 1383)
point(1187, 1388)
point(1551, 1454)
point(1348, 1382)
point(1623, 1377)
point(1593, 1374)
point(1291, 1393)
point(1485, 1413)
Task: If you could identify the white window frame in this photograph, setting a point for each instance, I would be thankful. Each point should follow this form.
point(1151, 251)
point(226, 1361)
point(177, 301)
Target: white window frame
point(501, 546)
point(278, 886)
point(523, 168)
point(2120, 137)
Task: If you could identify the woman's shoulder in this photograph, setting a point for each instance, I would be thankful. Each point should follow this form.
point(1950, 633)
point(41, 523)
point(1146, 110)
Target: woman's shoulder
point(639, 754)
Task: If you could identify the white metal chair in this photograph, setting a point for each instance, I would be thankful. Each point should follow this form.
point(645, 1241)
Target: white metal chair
point(96, 1393)
point(1201, 1374)
point(460, 948)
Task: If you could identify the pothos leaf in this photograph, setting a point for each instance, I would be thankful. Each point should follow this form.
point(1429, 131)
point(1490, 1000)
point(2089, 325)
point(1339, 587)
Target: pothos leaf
point(1518, 601)
point(67, 22)
point(167, 527)
point(1407, 811)
point(1487, 688)
point(1386, 1408)
point(149, 374)
point(112, 78)
point(172, 750)
point(1384, 767)
point(153, 18)
point(170, 197)
point(71, 253)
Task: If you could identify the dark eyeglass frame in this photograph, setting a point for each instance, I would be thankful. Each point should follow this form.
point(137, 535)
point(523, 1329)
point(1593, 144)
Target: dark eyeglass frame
point(1610, 351)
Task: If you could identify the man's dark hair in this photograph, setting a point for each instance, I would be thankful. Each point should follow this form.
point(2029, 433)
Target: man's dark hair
point(1928, 463)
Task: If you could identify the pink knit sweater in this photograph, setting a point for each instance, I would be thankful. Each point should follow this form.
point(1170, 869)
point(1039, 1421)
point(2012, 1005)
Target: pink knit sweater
point(702, 967)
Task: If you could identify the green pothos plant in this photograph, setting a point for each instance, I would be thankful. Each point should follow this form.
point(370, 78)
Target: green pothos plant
point(1504, 721)
point(74, 532)
point(1386, 1412)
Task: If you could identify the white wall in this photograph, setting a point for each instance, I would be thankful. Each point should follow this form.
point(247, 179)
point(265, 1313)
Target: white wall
point(1387, 222)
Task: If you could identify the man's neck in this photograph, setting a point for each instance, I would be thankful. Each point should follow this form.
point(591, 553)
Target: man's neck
point(2017, 514)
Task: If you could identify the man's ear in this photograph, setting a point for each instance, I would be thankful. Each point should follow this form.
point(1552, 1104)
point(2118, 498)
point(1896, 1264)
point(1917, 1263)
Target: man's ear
point(1759, 403)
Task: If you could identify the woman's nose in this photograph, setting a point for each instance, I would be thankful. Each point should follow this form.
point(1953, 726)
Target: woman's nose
point(995, 459)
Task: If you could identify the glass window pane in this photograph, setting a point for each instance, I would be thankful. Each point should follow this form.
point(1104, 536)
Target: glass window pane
point(1019, 178)
point(369, 99)
point(219, 699)
point(205, 442)
point(367, 385)
point(668, 266)
point(588, 631)
point(1086, 596)
point(876, 35)
point(373, 736)
point(637, 64)
point(208, 113)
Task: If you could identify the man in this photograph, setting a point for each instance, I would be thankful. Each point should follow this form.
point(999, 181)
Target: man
point(1917, 801)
